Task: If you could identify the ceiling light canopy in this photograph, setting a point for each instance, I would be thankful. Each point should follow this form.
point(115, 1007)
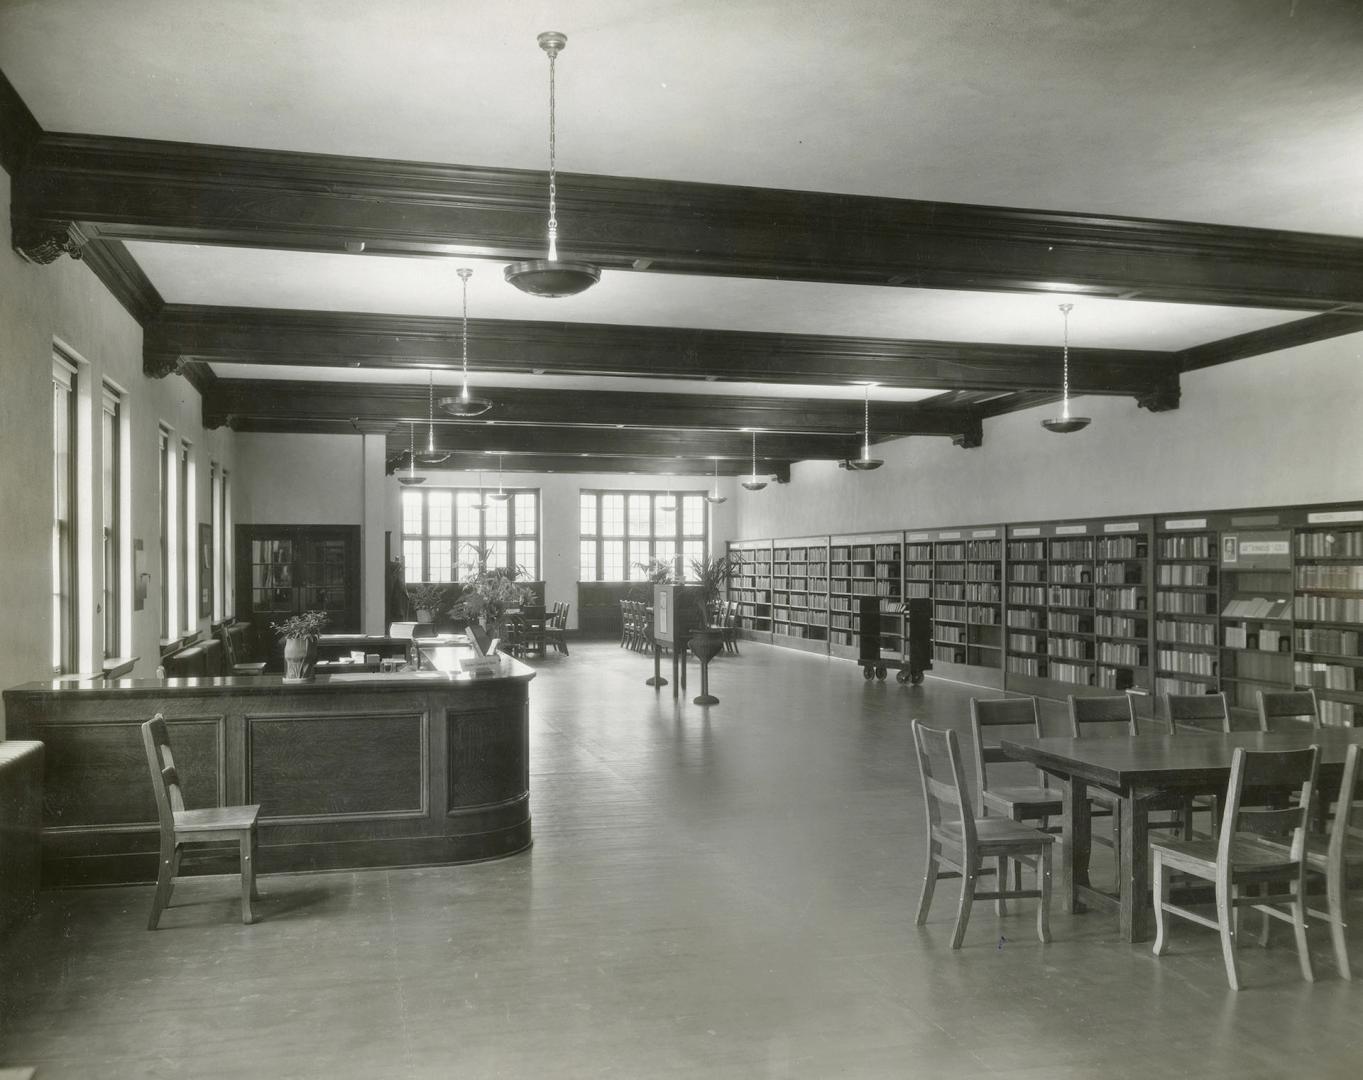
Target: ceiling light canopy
point(1064, 424)
point(465, 404)
point(552, 276)
point(866, 462)
point(752, 483)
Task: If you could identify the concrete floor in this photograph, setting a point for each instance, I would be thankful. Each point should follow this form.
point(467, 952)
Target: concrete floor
point(716, 893)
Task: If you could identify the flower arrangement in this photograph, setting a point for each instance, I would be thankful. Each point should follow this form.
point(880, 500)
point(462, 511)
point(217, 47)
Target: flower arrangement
point(428, 596)
point(307, 625)
point(713, 576)
point(488, 595)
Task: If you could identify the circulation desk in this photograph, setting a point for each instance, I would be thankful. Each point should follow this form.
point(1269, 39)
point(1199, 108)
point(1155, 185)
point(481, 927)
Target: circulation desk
point(352, 770)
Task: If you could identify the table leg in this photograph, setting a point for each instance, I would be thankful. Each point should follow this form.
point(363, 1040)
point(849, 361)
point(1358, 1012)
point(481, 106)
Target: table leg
point(1134, 867)
point(676, 684)
point(1076, 839)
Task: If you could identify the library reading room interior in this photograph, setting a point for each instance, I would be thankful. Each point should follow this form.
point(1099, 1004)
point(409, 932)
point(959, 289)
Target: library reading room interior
point(706, 540)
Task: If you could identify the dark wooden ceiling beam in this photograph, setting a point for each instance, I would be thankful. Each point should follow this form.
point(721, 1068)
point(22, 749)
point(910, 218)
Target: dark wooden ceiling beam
point(338, 339)
point(142, 189)
point(232, 401)
point(1271, 339)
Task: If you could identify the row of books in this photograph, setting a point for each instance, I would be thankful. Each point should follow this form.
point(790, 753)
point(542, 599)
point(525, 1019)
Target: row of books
point(1119, 626)
point(1338, 642)
point(1182, 603)
point(1186, 633)
point(1328, 608)
point(1256, 607)
point(1184, 547)
point(1187, 574)
point(1189, 663)
point(1336, 544)
point(1126, 653)
point(1330, 577)
point(1325, 676)
point(1263, 639)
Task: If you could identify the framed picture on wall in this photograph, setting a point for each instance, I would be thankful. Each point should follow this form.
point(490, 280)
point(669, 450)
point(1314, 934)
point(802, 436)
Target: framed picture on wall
point(205, 571)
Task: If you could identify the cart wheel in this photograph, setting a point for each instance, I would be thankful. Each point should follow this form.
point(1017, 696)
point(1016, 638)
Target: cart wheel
point(917, 678)
point(881, 673)
point(867, 674)
point(902, 675)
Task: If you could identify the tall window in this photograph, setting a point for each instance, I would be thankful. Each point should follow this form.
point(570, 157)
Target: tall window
point(111, 483)
point(621, 532)
point(188, 612)
point(215, 514)
point(445, 537)
point(166, 462)
point(229, 599)
point(65, 609)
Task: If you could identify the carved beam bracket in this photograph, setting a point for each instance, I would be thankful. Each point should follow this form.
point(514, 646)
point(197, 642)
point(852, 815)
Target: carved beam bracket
point(43, 242)
point(1161, 398)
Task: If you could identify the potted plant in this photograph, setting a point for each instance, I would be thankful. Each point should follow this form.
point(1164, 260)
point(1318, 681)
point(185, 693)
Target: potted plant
point(713, 577)
point(489, 594)
point(428, 598)
point(300, 643)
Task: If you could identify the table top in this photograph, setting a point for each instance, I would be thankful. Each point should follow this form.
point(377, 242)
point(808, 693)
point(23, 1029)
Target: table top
point(1185, 760)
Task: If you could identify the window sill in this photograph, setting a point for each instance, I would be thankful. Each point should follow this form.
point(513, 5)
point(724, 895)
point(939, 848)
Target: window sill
point(117, 666)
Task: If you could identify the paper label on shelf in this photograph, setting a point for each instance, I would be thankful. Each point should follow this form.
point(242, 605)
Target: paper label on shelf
point(984, 534)
point(1027, 530)
point(1328, 517)
point(919, 536)
point(949, 535)
point(1071, 530)
point(1123, 527)
point(1264, 547)
point(1186, 523)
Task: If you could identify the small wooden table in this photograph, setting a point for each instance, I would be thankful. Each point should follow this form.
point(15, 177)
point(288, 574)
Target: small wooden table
point(1142, 769)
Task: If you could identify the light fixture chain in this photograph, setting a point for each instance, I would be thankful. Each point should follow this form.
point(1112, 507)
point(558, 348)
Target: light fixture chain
point(430, 410)
point(553, 170)
point(1065, 363)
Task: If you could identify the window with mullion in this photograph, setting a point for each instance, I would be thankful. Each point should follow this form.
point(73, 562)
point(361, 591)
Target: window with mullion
point(450, 534)
point(111, 507)
point(65, 611)
point(622, 532)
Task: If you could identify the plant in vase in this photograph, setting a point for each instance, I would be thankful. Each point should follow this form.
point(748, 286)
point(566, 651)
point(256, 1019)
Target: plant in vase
point(428, 599)
point(300, 643)
point(489, 594)
point(713, 577)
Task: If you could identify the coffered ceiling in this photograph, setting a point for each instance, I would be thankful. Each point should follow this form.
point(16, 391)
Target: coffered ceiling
point(788, 201)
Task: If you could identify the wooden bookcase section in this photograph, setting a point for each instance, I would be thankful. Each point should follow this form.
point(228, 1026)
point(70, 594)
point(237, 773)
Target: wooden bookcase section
point(865, 564)
point(1239, 601)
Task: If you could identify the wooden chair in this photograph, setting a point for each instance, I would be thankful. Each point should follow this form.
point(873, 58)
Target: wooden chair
point(1335, 854)
point(233, 661)
point(1107, 716)
point(1245, 856)
point(180, 826)
point(961, 841)
point(1199, 713)
point(729, 626)
point(556, 631)
point(1287, 709)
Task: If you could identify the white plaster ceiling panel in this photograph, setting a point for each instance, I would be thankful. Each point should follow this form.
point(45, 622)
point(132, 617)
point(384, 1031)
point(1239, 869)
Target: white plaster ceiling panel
point(253, 277)
point(1246, 112)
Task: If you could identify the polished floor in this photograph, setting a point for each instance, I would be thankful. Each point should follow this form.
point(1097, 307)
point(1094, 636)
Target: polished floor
point(723, 892)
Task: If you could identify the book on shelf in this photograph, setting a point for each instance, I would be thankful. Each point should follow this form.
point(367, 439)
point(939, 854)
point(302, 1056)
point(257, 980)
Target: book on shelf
point(1256, 607)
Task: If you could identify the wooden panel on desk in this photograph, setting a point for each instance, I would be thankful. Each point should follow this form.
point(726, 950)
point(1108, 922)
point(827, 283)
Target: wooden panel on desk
point(475, 740)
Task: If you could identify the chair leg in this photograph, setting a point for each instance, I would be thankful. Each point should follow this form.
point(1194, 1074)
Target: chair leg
point(1266, 926)
point(1299, 928)
point(1043, 910)
point(967, 898)
point(165, 880)
point(1001, 878)
point(1225, 917)
point(255, 843)
point(929, 887)
point(248, 874)
point(1335, 893)
point(1160, 879)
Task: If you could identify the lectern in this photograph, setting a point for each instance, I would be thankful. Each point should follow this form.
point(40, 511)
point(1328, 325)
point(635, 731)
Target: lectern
point(676, 612)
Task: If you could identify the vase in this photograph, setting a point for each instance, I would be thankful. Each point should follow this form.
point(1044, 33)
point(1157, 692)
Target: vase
point(705, 644)
point(300, 659)
point(425, 615)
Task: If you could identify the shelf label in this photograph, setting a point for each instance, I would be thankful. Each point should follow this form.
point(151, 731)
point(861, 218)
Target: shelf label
point(1264, 547)
point(1252, 520)
point(984, 534)
point(1027, 530)
point(949, 535)
point(919, 536)
point(1123, 527)
point(1328, 517)
point(1186, 523)
point(1071, 530)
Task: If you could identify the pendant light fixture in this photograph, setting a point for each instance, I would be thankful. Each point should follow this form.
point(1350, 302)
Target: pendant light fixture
point(499, 495)
point(866, 462)
point(668, 502)
point(411, 479)
point(552, 276)
point(715, 498)
point(481, 504)
point(752, 483)
point(465, 404)
point(1065, 423)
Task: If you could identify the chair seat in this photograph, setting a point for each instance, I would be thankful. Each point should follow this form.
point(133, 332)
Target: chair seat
point(999, 835)
point(216, 818)
point(1034, 801)
point(1248, 857)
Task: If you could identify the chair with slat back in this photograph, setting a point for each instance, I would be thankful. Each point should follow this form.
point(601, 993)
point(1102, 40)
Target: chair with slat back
point(1288, 710)
point(1103, 716)
point(1335, 854)
point(1259, 848)
point(180, 826)
point(233, 663)
point(729, 626)
point(556, 632)
point(1194, 713)
point(1030, 802)
point(952, 827)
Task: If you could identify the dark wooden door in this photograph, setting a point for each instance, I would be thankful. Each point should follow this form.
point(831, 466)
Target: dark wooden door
point(286, 569)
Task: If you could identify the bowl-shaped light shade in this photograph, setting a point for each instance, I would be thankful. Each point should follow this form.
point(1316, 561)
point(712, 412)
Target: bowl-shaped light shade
point(499, 496)
point(1064, 425)
point(465, 406)
point(864, 463)
point(715, 500)
point(754, 484)
point(411, 481)
point(552, 277)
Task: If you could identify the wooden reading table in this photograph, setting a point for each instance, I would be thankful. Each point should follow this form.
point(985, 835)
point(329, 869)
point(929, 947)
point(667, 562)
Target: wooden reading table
point(1142, 769)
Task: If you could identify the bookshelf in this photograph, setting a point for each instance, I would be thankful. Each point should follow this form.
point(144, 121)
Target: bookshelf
point(865, 564)
point(752, 588)
point(967, 599)
point(799, 593)
point(1121, 605)
point(1327, 611)
point(1255, 566)
point(1187, 605)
